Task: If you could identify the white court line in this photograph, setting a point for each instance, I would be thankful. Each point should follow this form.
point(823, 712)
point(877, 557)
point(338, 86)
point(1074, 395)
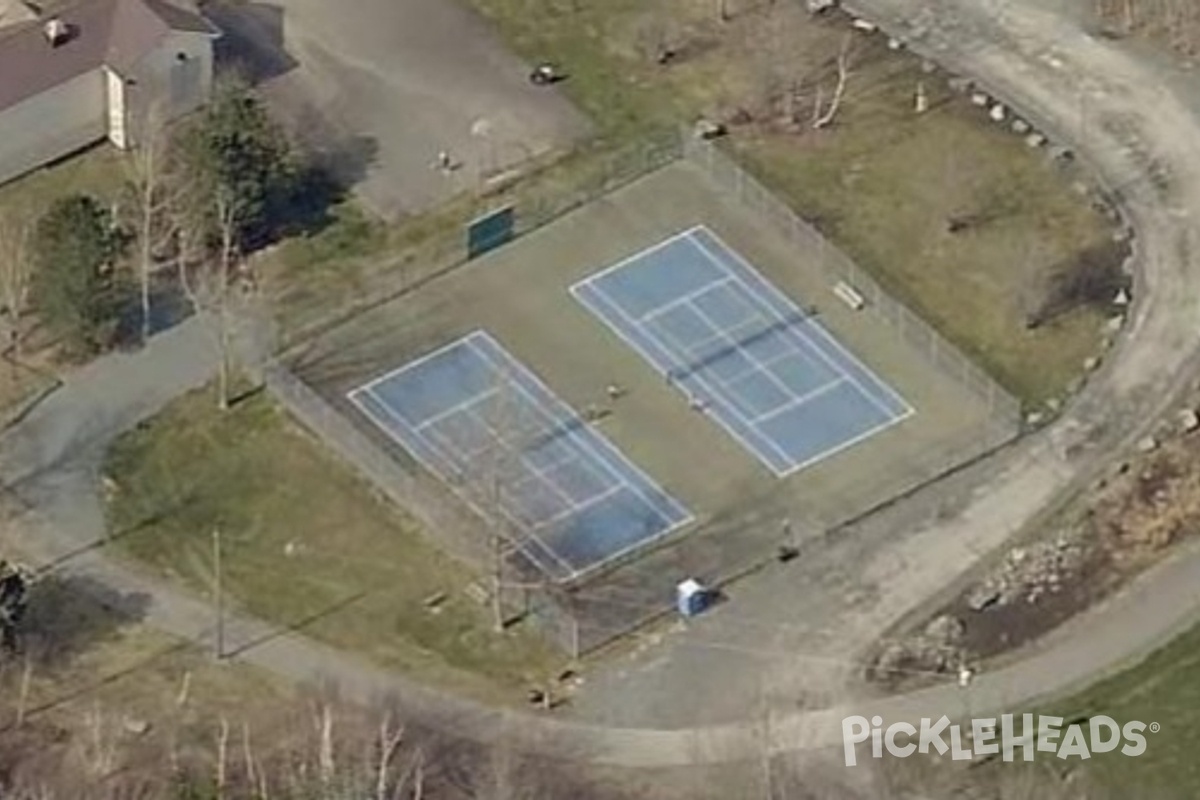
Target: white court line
point(832, 451)
point(575, 508)
point(457, 408)
point(451, 471)
point(577, 458)
point(735, 345)
point(691, 350)
point(799, 400)
point(450, 464)
point(410, 365)
point(575, 436)
point(529, 467)
point(909, 410)
point(684, 299)
point(573, 431)
point(645, 251)
point(450, 474)
point(660, 342)
point(791, 352)
point(770, 288)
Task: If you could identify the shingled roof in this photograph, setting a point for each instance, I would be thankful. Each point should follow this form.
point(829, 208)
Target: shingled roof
point(116, 33)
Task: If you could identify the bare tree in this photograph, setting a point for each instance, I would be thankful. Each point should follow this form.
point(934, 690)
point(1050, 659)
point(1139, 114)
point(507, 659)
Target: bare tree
point(504, 445)
point(152, 192)
point(205, 277)
point(821, 118)
point(15, 278)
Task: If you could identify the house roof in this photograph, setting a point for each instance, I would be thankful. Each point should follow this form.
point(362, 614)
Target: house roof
point(116, 33)
point(15, 11)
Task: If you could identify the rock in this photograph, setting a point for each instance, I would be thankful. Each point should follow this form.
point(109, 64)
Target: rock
point(1054, 404)
point(1035, 140)
point(1090, 363)
point(1062, 154)
point(895, 44)
point(1020, 126)
point(866, 26)
point(1147, 444)
point(1115, 323)
point(945, 629)
point(998, 112)
point(1188, 420)
point(1122, 298)
point(1034, 418)
point(1017, 555)
point(707, 129)
point(982, 596)
point(135, 726)
point(979, 99)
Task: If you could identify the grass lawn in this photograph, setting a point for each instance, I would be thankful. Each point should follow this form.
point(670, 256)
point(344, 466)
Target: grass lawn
point(306, 543)
point(882, 181)
point(98, 171)
point(1163, 689)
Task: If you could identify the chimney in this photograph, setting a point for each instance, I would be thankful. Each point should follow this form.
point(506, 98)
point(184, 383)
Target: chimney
point(56, 31)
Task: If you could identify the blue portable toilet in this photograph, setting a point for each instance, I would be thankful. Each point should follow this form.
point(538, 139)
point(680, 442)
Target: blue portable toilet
point(691, 598)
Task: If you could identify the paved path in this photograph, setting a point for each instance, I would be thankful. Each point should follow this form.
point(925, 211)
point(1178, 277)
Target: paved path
point(1027, 54)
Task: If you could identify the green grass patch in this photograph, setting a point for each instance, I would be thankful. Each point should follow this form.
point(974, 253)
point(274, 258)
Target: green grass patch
point(350, 233)
point(306, 543)
point(1165, 688)
point(98, 171)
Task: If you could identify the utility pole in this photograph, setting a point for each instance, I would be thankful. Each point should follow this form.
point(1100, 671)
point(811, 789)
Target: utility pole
point(218, 600)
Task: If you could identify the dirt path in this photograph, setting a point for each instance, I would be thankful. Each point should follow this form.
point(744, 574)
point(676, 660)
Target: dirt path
point(1134, 128)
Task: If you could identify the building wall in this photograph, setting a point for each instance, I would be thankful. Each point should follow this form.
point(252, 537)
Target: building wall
point(176, 77)
point(117, 116)
point(53, 124)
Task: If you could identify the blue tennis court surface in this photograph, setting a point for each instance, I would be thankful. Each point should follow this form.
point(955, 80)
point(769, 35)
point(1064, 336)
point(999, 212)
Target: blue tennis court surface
point(741, 350)
point(475, 416)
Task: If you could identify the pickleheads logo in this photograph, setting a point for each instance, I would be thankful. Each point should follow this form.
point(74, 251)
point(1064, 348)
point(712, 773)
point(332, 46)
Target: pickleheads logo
point(1099, 734)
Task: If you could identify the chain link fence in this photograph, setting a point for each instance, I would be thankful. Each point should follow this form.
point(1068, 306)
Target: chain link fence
point(438, 246)
point(837, 267)
point(585, 617)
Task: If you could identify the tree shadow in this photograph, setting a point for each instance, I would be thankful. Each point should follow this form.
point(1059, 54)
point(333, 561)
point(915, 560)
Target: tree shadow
point(169, 306)
point(327, 172)
point(69, 614)
point(252, 41)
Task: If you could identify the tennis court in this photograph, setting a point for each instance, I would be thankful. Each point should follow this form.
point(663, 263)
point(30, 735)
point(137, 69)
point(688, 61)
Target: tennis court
point(478, 418)
point(741, 351)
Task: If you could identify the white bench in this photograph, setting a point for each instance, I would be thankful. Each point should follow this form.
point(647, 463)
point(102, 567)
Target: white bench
point(849, 295)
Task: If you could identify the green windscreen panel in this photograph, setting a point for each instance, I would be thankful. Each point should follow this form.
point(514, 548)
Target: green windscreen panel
point(489, 231)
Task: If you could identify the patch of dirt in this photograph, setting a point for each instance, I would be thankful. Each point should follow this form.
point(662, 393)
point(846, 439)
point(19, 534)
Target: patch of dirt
point(1127, 521)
